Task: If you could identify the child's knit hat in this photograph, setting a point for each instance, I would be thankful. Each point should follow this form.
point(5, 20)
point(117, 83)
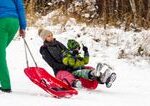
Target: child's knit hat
point(43, 33)
point(73, 44)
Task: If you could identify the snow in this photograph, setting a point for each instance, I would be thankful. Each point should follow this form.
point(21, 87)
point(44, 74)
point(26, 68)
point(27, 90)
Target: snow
point(131, 87)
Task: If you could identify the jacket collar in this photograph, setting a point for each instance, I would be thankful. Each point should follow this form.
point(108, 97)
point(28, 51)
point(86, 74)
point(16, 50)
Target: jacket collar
point(53, 43)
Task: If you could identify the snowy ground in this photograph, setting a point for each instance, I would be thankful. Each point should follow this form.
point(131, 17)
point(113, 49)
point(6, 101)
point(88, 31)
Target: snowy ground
point(130, 89)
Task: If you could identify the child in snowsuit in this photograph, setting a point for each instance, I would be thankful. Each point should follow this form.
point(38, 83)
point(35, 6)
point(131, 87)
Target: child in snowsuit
point(72, 58)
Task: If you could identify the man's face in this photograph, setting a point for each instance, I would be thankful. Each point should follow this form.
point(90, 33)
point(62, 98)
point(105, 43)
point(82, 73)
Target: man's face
point(49, 38)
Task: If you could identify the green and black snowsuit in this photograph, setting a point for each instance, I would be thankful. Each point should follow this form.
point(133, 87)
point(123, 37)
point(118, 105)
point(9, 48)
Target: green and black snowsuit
point(73, 59)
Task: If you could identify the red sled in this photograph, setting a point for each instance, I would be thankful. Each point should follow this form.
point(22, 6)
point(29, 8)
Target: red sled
point(89, 84)
point(50, 84)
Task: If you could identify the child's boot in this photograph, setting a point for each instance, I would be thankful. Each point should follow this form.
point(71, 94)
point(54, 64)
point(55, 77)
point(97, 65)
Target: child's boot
point(105, 76)
point(110, 80)
point(97, 72)
point(77, 84)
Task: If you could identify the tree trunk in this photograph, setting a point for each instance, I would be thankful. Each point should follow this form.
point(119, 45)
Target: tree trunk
point(105, 14)
point(148, 13)
point(100, 3)
point(133, 6)
point(140, 13)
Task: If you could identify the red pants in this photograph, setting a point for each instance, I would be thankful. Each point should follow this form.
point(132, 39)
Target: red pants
point(68, 78)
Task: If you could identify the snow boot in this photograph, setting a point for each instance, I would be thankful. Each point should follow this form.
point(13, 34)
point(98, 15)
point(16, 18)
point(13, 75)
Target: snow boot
point(105, 76)
point(110, 80)
point(97, 72)
point(5, 90)
point(101, 73)
point(77, 84)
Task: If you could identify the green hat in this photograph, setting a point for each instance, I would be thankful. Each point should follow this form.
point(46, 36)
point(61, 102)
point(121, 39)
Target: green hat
point(72, 44)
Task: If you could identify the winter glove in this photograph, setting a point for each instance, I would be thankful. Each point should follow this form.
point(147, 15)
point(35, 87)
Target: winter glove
point(75, 52)
point(85, 49)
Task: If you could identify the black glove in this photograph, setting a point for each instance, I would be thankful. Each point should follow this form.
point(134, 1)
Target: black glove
point(85, 49)
point(75, 52)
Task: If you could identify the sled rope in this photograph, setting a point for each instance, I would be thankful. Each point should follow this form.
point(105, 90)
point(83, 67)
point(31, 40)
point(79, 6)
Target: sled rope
point(27, 47)
point(27, 62)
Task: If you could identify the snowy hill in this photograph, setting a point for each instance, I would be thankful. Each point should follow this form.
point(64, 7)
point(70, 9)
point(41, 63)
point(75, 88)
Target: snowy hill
point(130, 89)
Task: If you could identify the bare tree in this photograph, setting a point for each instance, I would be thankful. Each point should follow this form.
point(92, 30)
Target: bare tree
point(148, 13)
point(100, 3)
point(133, 6)
point(105, 13)
point(114, 12)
